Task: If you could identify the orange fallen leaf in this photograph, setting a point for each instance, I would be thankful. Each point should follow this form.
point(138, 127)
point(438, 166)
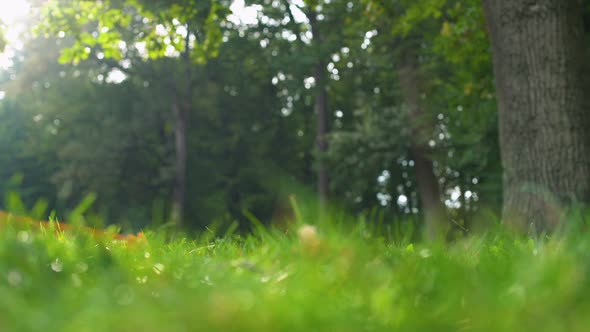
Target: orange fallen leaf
point(60, 227)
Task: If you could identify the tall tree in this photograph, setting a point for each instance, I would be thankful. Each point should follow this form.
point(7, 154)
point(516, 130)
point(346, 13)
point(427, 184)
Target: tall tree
point(321, 102)
point(412, 85)
point(186, 32)
point(540, 58)
point(403, 47)
point(301, 37)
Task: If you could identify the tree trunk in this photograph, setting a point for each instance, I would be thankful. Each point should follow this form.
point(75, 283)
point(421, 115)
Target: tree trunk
point(180, 136)
point(540, 55)
point(322, 132)
point(181, 108)
point(321, 110)
point(433, 210)
point(430, 195)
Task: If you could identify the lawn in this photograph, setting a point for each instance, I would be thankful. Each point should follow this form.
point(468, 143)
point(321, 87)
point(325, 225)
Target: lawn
point(323, 278)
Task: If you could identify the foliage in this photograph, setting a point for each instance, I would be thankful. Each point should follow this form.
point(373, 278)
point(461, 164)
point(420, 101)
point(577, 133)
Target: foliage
point(26, 163)
point(162, 27)
point(2, 37)
point(92, 135)
point(450, 40)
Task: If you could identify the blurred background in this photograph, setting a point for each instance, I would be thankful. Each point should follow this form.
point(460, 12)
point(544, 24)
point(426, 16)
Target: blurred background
point(219, 111)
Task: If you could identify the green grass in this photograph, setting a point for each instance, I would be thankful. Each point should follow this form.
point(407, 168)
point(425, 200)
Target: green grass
point(347, 280)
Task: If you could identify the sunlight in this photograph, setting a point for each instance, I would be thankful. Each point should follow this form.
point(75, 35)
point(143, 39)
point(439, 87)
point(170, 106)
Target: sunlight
point(242, 14)
point(248, 15)
point(13, 10)
point(10, 13)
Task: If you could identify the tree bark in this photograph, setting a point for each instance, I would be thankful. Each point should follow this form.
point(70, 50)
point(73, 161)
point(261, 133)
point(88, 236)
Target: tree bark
point(321, 110)
point(540, 55)
point(321, 105)
point(433, 210)
point(180, 138)
point(181, 108)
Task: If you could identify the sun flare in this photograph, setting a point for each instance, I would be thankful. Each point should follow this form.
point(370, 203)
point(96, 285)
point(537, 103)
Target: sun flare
point(11, 11)
point(11, 14)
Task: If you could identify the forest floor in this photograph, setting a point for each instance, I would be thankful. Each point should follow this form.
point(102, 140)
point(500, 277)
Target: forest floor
point(305, 279)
